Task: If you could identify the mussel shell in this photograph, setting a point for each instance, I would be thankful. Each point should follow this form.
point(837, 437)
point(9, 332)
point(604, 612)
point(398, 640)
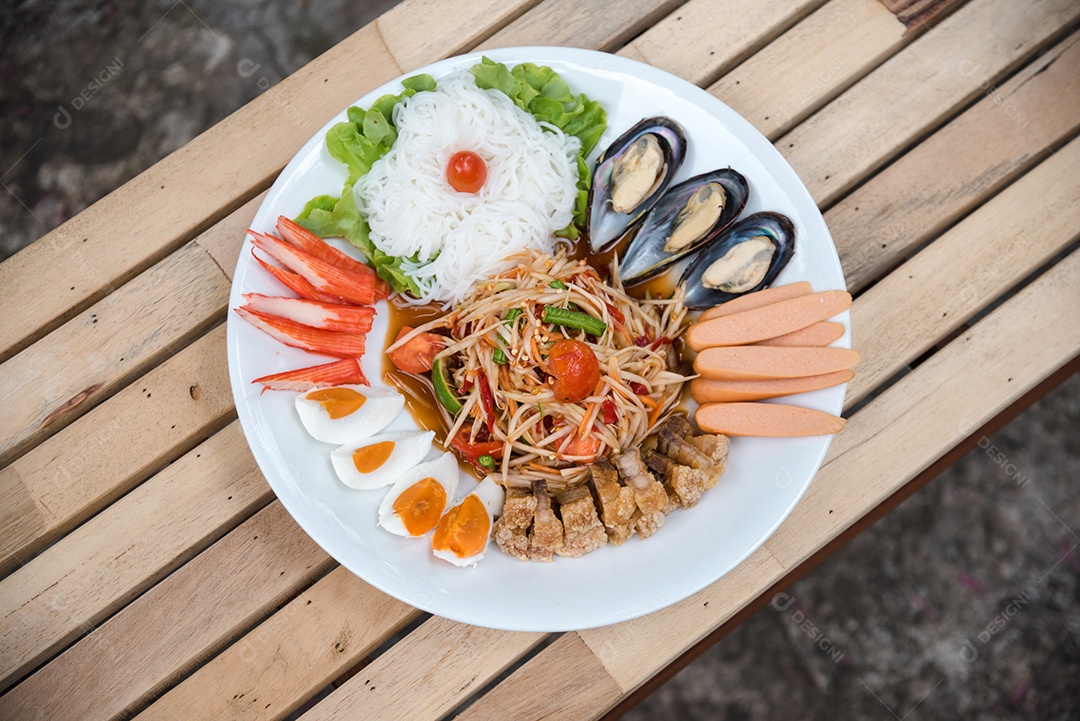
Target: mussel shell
point(645, 256)
point(603, 224)
point(773, 225)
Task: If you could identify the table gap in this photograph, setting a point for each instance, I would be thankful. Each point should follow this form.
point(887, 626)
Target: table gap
point(1029, 164)
point(994, 82)
point(499, 678)
point(1004, 296)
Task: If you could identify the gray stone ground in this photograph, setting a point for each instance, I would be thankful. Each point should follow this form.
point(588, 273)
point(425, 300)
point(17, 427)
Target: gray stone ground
point(963, 603)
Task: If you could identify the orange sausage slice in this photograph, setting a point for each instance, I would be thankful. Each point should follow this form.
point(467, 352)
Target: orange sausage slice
point(759, 362)
point(758, 299)
point(812, 336)
point(765, 419)
point(710, 391)
point(781, 318)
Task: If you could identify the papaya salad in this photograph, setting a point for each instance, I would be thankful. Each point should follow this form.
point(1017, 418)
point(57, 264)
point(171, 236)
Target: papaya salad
point(475, 202)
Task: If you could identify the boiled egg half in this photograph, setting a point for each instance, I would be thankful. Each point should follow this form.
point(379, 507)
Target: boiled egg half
point(462, 534)
point(381, 459)
point(416, 501)
point(347, 414)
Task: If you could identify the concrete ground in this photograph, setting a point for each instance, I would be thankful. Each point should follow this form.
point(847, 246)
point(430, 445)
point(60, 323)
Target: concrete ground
point(963, 603)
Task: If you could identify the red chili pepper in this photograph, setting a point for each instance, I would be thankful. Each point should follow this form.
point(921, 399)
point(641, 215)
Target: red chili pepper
point(615, 313)
point(662, 340)
point(486, 398)
point(641, 341)
point(639, 388)
point(608, 409)
point(466, 386)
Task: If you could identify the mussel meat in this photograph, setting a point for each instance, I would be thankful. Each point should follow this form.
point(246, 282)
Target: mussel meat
point(630, 176)
point(686, 218)
point(746, 257)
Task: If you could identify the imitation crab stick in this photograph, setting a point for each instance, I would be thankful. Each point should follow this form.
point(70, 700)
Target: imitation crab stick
point(765, 419)
point(307, 241)
point(327, 316)
point(756, 362)
point(297, 284)
point(758, 299)
point(769, 321)
point(705, 390)
point(816, 335)
point(298, 335)
point(354, 287)
point(346, 371)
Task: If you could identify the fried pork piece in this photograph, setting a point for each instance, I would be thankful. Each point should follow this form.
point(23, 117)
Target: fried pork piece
point(680, 426)
point(511, 529)
point(684, 484)
point(681, 450)
point(615, 500)
point(716, 447)
point(582, 530)
point(546, 536)
point(649, 493)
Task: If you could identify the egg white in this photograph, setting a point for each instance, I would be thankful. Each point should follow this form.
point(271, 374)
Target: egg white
point(443, 469)
point(492, 495)
point(380, 409)
point(409, 449)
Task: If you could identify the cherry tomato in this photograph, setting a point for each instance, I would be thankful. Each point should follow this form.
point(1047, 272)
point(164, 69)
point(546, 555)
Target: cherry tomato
point(576, 370)
point(466, 171)
point(417, 355)
point(589, 447)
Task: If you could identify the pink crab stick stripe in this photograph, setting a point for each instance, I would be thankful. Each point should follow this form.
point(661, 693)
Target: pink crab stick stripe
point(325, 277)
point(346, 371)
point(307, 241)
point(341, 318)
point(297, 335)
point(297, 284)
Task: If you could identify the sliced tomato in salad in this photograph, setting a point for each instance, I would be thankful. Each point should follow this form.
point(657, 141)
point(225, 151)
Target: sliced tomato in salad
point(588, 447)
point(419, 353)
point(576, 370)
point(473, 451)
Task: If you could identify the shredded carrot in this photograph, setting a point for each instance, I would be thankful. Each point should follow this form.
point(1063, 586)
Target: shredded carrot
point(585, 421)
point(535, 350)
point(650, 402)
point(655, 415)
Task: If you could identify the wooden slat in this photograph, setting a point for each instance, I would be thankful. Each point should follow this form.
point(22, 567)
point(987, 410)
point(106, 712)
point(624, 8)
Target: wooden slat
point(286, 659)
point(104, 454)
point(928, 84)
point(809, 65)
point(62, 376)
point(962, 272)
point(883, 446)
point(573, 683)
point(702, 38)
point(429, 672)
point(115, 239)
point(151, 421)
point(172, 626)
point(946, 175)
point(574, 23)
point(418, 32)
point(917, 13)
point(103, 564)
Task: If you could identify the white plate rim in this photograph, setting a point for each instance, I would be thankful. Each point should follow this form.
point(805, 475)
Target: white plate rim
point(270, 460)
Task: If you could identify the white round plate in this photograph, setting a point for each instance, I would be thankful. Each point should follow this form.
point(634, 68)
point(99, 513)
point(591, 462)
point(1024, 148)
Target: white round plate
point(765, 477)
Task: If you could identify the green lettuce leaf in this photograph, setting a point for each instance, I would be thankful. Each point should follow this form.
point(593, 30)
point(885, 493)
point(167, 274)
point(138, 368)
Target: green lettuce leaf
point(368, 134)
point(539, 90)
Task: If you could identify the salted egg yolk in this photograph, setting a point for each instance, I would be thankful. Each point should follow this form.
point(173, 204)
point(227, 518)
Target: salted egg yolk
point(420, 505)
point(370, 458)
point(338, 402)
point(464, 529)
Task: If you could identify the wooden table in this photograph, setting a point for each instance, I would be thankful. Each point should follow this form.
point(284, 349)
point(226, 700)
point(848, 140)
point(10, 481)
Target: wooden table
point(148, 568)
